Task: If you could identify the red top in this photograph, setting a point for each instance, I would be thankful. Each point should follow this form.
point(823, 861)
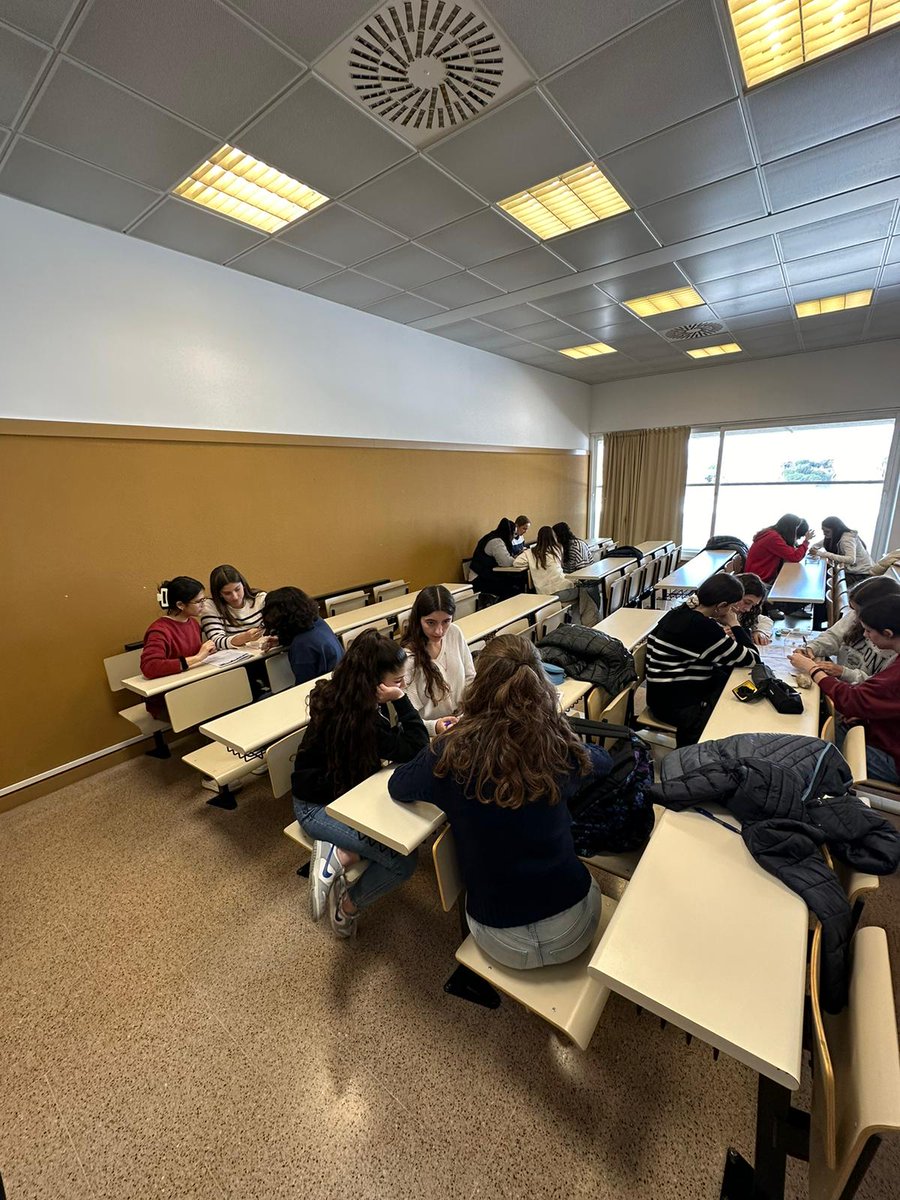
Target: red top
point(875, 702)
point(769, 551)
point(166, 643)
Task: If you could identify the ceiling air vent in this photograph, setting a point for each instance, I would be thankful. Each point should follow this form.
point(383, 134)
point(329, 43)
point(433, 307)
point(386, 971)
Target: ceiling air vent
point(425, 67)
point(686, 333)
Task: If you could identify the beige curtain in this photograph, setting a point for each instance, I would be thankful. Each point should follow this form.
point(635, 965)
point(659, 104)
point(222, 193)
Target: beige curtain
point(644, 475)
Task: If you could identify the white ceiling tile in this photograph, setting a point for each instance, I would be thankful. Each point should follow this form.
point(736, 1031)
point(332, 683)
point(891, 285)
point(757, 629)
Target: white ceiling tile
point(702, 150)
point(744, 284)
point(836, 262)
point(498, 342)
point(845, 92)
point(405, 308)
point(21, 61)
point(887, 295)
point(53, 180)
point(757, 302)
point(514, 317)
point(193, 230)
point(748, 323)
point(839, 166)
point(890, 276)
point(317, 136)
point(308, 28)
point(457, 290)
point(849, 229)
point(893, 254)
point(578, 300)
point(352, 289)
point(408, 266)
point(833, 285)
point(197, 59)
point(645, 283)
point(681, 316)
point(658, 74)
point(283, 264)
point(44, 19)
point(607, 241)
point(95, 120)
point(885, 321)
point(608, 325)
point(742, 257)
point(478, 239)
point(715, 206)
point(544, 329)
point(473, 333)
point(524, 269)
point(487, 154)
point(414, 198)
point(336, 233)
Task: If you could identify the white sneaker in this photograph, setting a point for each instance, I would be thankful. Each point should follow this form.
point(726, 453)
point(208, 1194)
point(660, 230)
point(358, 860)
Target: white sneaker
point(342, 925)
point(324, 869)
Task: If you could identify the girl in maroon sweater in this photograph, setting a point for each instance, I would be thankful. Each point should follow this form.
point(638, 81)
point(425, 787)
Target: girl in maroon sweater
point(173, 642)
point(876, 701)
point(776, 545)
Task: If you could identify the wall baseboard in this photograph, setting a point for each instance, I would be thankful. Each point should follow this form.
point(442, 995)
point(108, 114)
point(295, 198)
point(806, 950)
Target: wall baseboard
point(70, 766)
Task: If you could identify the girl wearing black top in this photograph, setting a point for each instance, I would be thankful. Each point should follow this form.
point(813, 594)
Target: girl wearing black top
point(349, 734)
point(503, 775)
point(495, 550)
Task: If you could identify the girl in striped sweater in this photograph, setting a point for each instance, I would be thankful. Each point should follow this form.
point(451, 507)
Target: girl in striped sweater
point(232, 616)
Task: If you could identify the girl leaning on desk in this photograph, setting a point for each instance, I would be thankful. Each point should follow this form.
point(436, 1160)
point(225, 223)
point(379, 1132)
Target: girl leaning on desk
point(503, 775)
point(855, 657)
point(173, 642)
point(350, 733)
point(439, 666)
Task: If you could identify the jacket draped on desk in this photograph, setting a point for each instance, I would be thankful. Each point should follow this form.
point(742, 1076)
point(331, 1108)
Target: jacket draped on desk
point(590, 655)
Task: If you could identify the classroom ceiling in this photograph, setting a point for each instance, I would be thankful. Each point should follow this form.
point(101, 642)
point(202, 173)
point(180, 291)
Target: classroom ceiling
point(757, 200)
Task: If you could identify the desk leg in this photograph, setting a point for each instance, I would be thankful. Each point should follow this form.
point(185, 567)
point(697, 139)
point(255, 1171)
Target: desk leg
point(780, 1131)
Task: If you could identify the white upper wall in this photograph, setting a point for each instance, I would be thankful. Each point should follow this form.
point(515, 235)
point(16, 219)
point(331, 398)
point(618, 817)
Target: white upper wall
point(103, 328)
point(851, 379)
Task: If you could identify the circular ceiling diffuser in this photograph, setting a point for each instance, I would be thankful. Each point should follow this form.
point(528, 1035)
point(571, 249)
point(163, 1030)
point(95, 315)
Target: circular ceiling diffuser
point(431, 70)
point(701, 329)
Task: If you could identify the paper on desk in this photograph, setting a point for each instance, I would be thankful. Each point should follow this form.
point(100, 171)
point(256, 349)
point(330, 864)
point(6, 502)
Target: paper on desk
point(224, 658)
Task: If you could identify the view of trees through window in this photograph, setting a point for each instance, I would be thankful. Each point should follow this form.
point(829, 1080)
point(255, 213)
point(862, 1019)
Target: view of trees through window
point(740, 480)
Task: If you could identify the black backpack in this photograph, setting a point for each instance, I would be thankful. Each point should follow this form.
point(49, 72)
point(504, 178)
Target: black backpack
point(613, 814)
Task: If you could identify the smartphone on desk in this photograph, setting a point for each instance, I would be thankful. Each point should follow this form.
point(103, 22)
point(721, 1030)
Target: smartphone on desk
point(745, 690)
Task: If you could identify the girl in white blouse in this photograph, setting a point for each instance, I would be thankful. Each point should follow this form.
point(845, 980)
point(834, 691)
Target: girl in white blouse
point(845, 548)
point(544, 561)
point(439, 666)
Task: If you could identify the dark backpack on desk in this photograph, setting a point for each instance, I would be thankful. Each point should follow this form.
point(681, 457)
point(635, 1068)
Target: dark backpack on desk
point(613, 814)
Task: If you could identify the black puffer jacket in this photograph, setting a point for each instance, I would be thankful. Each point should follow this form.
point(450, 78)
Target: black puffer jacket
point(590, 655)
point(791, 794)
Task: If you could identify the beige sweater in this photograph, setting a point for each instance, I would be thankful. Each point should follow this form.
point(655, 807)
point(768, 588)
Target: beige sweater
point(455, 664)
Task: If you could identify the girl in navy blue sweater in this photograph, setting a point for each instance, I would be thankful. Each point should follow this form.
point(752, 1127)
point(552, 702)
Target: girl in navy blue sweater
point(503, 775)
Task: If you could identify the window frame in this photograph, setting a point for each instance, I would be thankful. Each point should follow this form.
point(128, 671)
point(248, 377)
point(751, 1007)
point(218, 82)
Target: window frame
point(595, 511)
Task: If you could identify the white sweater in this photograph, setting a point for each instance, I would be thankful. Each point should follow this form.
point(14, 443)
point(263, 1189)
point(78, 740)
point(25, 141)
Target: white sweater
point(852, 554)
point(547, 579)
point(455, 664)
point(220, 630)
point(859, 659)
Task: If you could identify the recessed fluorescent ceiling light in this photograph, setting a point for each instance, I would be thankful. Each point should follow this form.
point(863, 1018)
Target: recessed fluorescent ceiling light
point(240, 186)
point(775, 36)
point(713, 351)
point(569, 201)
point(812, 308)
point(588, 351)
point(660, 302)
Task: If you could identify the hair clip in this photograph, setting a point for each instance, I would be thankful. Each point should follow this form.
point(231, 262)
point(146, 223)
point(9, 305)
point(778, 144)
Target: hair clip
point(162, 597)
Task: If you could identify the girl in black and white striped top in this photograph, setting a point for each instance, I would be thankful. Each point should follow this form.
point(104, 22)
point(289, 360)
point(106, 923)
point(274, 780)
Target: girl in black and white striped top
point(690, 654)
point(233, 615)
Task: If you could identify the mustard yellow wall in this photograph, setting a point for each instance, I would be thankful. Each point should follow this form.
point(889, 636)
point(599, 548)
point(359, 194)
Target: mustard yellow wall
point(93, 523)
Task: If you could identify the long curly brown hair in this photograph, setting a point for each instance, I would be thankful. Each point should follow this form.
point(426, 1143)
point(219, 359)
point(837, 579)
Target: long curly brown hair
point(429, 600)
point(342, 709)
point(512, 745)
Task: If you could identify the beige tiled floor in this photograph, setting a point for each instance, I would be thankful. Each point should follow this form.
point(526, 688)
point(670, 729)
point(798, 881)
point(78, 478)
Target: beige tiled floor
point(172, 1025)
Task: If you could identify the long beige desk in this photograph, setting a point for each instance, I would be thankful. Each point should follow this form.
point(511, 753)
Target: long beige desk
point(259, 725)
point(158, 687)
point(384, 610)
point(801, 583)
point(696, 571)
point(631, 625)
point(708, 940)
point(606, 566)
point(482, 624)
point(653, 546)
point(732, 716)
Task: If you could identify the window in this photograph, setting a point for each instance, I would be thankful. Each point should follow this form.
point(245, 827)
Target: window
point(740, 480)
point(596, 514)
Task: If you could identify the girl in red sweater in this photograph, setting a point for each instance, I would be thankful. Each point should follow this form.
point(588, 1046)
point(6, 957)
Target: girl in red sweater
point(876, 701)
point(173, 642)
point(776, 545)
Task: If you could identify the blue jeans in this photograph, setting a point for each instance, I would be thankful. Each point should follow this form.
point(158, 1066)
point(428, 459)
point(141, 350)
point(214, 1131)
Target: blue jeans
point(881, 765)
point(388, 869)
point(556, 939)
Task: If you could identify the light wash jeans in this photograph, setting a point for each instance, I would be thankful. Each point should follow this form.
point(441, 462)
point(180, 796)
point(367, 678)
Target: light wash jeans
point(556, 939)
point(388, 869)
point(881, 765)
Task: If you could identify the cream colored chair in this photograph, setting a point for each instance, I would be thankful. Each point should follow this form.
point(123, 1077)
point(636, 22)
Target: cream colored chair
point(278, 670)
point(548, 618)
point(122, 666)
point(615, 592)
point(348, 638)
point(388, 591)
point(345, 602)
point(521, 628)
point(207, 698)
point(466, 603)
point(663, 732)
point(565, 996)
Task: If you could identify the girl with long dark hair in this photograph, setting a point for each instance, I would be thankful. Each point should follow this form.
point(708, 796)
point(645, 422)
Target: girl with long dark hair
point(292, 618)
point(749, 610)
point(173, 642)
point(350, 733)
point(845, 548)
point(503, 775)
point(492, 551)
point(232, 616)
point(855, 657)
point(439, 665)
point(776, 545)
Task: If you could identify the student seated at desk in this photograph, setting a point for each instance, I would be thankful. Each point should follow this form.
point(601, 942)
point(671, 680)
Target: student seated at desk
point(173, 643)
point(753, 619)
point(544, 561)
point(292, 618)
point(349, 734)
point(856, 658)
point(232, 616)
point(577, 554)
point(503, 775)
point(777, 544)
point(495, 550)
point(875, 703)
point(439, 666)
point(522, 525)
point(844, 547)
point(691, 653)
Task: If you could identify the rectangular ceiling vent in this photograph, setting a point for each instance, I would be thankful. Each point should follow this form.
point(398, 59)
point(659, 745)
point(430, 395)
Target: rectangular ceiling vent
point(426, 67)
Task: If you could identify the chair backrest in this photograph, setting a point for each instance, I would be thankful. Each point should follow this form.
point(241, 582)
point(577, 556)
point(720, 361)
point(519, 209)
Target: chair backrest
point(863, 1052)
point(387, 591)
point(345, 602)
point(122, 666)
point(466, 604)
point(639, 654)
point(278, 669)
point(636, 582)
point(827, 734)
point(352, 634)
point(823, 1071)
point(854, 751)
point(208, 698)
point(522, 627)
point(446, 868)
point(616, 593)
point(548, 624)
point(280, 761)
point(612, 711)
point(401, 620)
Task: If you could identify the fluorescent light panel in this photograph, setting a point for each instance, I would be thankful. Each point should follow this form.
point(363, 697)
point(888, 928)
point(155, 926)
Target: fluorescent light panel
point(829, 304)
point(714, 351)
point(661, 302)
point(570, 201)
point(775, 36)
point(237, 185)
point(588, 351)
